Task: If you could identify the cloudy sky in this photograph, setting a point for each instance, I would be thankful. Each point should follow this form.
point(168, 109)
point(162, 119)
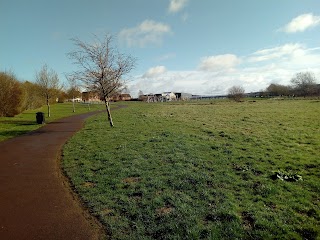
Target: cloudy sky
point(193, 46)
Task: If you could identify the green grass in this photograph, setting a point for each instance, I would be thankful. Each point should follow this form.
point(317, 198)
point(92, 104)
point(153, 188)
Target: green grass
point(26, 121)
point(201, 170)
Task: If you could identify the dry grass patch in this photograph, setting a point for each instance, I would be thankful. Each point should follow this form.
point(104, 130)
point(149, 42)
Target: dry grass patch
point(131, 180)
point(88, 184)
point(164, 210)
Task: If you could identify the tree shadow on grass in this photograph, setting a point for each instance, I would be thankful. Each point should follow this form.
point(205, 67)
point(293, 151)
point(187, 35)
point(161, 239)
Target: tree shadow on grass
point(19, 122)
point(12, 133)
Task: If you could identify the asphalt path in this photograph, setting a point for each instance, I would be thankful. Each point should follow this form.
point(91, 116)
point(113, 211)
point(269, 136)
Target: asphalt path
point(36, 201)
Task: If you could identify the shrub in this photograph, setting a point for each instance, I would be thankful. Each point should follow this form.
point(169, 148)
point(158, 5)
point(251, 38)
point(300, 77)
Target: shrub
point(236, 93)
point(10, 95)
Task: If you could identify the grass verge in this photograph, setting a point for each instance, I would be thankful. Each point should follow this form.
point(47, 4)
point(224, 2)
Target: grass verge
point(202, 170)
point(26, 121)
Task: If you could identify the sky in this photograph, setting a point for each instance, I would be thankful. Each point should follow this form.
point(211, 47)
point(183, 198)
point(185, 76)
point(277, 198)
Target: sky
point(193, 46)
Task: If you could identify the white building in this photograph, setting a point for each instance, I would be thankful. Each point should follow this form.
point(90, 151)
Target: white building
point(169, 96)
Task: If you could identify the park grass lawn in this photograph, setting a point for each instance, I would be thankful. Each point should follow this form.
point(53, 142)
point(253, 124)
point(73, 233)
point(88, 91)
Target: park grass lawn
point(202, 170)
point(26, 121)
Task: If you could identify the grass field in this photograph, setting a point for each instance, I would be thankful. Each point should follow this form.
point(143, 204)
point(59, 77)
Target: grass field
point(202, 170)
point(26, 121)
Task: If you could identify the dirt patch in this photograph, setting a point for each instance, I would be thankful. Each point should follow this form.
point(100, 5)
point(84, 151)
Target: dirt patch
point(247, 220)
point(89, 184)
point(131, 180)
point(164, 210)
point(107, 211)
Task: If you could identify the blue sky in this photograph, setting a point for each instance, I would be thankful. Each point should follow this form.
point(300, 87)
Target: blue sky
point(194, 46)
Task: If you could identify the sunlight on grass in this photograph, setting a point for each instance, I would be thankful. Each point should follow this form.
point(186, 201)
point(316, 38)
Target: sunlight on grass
point(26, 121)
point(201, 170)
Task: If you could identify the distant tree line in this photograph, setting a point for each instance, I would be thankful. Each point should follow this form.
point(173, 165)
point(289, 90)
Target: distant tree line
point(303, 84)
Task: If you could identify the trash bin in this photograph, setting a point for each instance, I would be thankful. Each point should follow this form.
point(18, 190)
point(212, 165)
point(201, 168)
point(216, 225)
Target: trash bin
point(40, 117)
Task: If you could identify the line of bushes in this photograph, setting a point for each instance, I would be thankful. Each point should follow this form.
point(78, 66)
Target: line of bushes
point(16, 96)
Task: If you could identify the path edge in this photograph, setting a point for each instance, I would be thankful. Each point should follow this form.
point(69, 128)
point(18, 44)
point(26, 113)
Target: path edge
point(100, 230)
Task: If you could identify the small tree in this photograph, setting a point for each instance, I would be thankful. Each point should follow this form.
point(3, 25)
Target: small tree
point(102, 68)
point(73, 91)
point(48, 82)
point(304, 83)
point(236, 93)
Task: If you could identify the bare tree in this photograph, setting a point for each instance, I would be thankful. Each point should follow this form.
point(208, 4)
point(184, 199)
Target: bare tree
point(102, 67)
point(73, 90)
point(236, 93)
point(304, 83)
point(48, 82)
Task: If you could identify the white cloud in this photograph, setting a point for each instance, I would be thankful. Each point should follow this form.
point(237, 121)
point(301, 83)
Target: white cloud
point(302, 23)
point(284, 51)
point(148, 32)
point(155, 72)
point(270, 67)
point(177, 5)
point(288, 56)
point(219, 62)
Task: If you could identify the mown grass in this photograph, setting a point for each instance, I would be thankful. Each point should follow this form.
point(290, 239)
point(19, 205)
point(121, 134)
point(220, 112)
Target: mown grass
point(26, 121)
point(201, 170)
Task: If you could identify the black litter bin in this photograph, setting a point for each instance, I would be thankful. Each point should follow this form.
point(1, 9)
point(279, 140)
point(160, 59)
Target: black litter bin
point(40, 117)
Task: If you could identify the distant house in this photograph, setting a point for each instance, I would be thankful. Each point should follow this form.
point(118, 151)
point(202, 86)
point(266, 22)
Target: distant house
point(77, 99)
point(159, 97)
point(151, 97)
point(115, 98)
point(183, 96)
point(125, 97)
point(90, 97)
point(169, 96)
point(165, 97)
point(121, 97)
point(142, 97)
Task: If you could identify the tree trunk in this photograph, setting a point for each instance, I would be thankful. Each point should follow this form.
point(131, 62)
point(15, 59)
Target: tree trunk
point(48, 107)
point(74, 109)
point(109, 112)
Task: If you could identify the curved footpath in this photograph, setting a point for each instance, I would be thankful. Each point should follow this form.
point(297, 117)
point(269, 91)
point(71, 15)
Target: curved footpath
point(35, 200)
